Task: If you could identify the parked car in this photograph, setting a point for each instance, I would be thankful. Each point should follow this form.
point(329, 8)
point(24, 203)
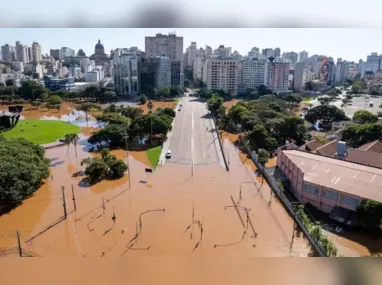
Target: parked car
point(168, 154)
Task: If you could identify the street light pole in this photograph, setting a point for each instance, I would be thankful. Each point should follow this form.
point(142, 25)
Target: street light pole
point(127, 160)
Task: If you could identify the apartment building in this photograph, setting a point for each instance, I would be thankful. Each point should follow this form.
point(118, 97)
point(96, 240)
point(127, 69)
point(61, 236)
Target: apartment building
point(290, 56)
point(66, 52)
point(176, 73)
point(21, 52)
point(373, 62)
point(277, 76)
point(55, 53)
point(164, 45)
point(126, 74)
point(221, 74)
point(253, 73)
point(36, 52)
point(303, 55)
point(299, 82)
point(191, 53)
point(197, 67)
point(7, 53)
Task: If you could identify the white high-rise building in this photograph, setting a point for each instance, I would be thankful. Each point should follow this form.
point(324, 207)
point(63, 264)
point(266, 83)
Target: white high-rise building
point(164, 45)
point(299, 76)
point(198, 67)
point(277, 76)
point(253, 73)
point(7, 53)
point(361, 68)
point(373, 62)
point(36, 52)
point(66, 52)
point(221, 74)
point(254, 53)
point(303, 55)
point(191, 54)
point(21, 53)
point(209, 51)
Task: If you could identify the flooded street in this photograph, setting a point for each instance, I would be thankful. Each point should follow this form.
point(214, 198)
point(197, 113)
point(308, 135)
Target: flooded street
point(166, 214)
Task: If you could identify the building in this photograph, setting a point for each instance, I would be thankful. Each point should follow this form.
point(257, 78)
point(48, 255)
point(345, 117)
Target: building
point(208, 51)
point(99, 56)
point(54, 84)
point(253, 74)
point(55, 53)
point(299, 80)
point(197, 67)
point(92, 76)
point(81, 53)
point(7, 53)
point(36, 52)
point(277, 75)
point(163, 73)
point(268, 52)
point(361, 68)
point(254, 53)
point(176, 73)
point(303, 56)
point(126, 74)
point(66, 52)
point(221, 74)
point(277, 52)
point(290, 56)
point(21, 53)
point(373, 62)
point(165, 45)
point(328, 183)
point(191, 52)
point(18, 66)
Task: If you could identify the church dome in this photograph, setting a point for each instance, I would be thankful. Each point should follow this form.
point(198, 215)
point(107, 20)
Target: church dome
point(99, 45)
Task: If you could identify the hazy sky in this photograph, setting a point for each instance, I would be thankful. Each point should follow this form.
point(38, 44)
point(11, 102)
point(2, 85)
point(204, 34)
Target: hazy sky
point(349, 44)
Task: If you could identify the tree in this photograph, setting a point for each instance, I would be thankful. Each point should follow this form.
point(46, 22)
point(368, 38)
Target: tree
point(9, 82)
point(2, 84)
point(327, 113)
point(263, 90)
point(263, 156)
point(168, 111)
point(214, 105)
point(357, 135)
point(143, 99)
point(113, 135)
point(23, 167)
point(309, 85)
point(174, 91)
point(150, 106)
point(54, 100)
point(374, 92)
point(109, 96)
point(258, 137)
point(153, 124)
point(92, 91)
point(87, 107)
point(31, 90)
point(164, 92)
point(187, 83)
point(114, 118)
point(369, 214)
point(364, 116)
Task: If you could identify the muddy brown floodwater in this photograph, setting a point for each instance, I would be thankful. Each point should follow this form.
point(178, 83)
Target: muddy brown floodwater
point(168, 213)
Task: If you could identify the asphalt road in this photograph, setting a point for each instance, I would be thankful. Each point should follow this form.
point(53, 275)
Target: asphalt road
point(191, 142)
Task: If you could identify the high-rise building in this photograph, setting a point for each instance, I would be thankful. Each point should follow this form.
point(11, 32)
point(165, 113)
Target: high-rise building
point(21, 52)
point(361, 68)
point(268, 52)
point(176, 74)
point(277, 75)
point(55, 53)
point(66, 52)
point(277, 52)
point(299, 76)
point(373, 62)
point(126, 74)
point(291, 56)
point(254, 53)
point(36, 52)
point(221, 74)
point(303, 55)
point(7, 53)
point(208, 51)
point(253, 73)
point(191, 54)
point(197, 67)
point(164, 45)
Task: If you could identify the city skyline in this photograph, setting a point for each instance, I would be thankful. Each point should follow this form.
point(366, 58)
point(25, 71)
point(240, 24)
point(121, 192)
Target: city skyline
point(336, 44)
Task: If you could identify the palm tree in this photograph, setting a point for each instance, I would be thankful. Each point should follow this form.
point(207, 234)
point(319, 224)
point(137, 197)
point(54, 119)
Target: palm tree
point(75, 138)
point(150, 106)
point(68, 141)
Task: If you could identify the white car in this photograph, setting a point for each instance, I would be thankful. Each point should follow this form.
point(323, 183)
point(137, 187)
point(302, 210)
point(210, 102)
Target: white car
point(168, 154)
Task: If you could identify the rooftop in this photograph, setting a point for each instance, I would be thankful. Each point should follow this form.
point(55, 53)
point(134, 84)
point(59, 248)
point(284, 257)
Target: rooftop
point(341, 175)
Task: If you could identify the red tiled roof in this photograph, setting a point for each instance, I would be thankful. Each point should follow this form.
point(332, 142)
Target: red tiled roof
point(364, 157)
point(328, 149)
point(375, 146)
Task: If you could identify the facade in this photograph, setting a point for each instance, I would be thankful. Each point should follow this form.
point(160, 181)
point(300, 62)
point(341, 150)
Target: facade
point(253, 73)
point(92, 76)
point(7, 53)
point(361, 68)
point(168, 45)
point(254, 53)
point(176, 74)
point(126, 74)
point(18, 66)
point(303, 55)
point(221, 74)
point(21, 53)
point(373, 62)
point(277, 52)
point(55, 53)
point(208, 51)
point(290, 56)
point(163, 73)
point(333, 183)
point(268, 52)
point(66, 52)
point(191, 54)
point(197, 68)
point(81, 53)
point(54, 84)
point(36, 52)
point(277, 76)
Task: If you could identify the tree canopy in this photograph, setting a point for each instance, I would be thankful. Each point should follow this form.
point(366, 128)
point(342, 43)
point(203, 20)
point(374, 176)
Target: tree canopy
point(369, 214)
point(356, 135)
point(326, 113)
point(23, 167)
point(364, 116)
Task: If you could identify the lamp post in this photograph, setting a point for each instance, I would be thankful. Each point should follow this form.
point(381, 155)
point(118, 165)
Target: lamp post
point(127, 159)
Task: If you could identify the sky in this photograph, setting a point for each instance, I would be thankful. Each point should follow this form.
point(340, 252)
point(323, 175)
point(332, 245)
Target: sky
point(347, 43)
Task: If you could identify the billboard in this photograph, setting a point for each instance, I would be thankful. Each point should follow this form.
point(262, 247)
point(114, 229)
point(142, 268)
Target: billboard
point(325, 70)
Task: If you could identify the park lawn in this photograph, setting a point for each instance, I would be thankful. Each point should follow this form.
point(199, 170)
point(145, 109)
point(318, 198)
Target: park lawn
point(41, 131)
point(153, 155)
point(307, 99)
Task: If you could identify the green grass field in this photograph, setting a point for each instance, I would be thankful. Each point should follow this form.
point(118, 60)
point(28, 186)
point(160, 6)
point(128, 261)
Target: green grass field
point(153, 155)
point(41, 131)
point(307, 99)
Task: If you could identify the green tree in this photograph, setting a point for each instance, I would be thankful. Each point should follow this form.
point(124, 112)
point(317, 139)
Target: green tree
point(263, 90)
point(54, 100)
point(143, 99)
point(357, 135)
point(109, 96)
point(258, 137)
point(369, 214)
point(23, 167)
point(168, 111)
point(87, 107)
point(111, 134)
point(214, 105)
point(114, 118)
point(31, 90)
point(132, 112)
point(327, 113)
point(9, 82)
point(364, 116)
point(164, 92)
point(187, 83)
point(263, 156)
point(92, 91)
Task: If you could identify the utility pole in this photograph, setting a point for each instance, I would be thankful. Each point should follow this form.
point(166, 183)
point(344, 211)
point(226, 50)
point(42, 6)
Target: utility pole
point(127, 159)
point(151, 123)
point(74, 199)
point(63, 201)
point(19, 243)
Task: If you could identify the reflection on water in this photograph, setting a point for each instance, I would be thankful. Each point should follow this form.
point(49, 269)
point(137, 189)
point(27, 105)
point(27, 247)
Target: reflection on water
point(77, 118)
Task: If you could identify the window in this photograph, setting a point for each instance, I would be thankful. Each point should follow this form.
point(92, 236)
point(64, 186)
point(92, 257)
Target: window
point(331, 195)
point(310, 189)
point(349, 201)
